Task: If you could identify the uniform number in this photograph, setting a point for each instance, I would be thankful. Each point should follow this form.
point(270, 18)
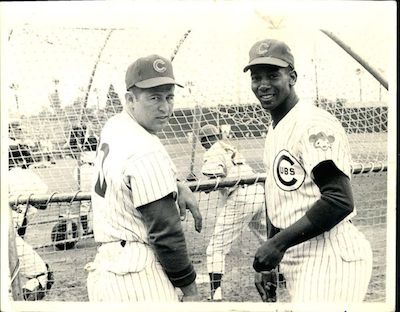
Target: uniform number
point(101, 185)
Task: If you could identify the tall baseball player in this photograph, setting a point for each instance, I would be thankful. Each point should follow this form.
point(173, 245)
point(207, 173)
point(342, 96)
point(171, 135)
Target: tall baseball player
point(243, 205)
point(143, 255)
point(322, 255)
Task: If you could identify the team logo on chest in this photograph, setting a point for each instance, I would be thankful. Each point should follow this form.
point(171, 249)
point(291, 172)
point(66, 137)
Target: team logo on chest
point(289, 174)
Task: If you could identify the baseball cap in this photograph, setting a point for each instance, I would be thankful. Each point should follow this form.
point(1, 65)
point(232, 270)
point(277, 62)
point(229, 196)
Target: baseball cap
point(208, 130)
point(272, 52)
point(150, 71)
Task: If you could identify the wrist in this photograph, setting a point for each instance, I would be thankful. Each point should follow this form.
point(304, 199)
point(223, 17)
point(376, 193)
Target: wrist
point(190, 290)
point(281, 241)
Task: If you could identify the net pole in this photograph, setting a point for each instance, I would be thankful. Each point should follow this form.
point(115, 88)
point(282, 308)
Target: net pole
point(195, 129)
point(358, 58)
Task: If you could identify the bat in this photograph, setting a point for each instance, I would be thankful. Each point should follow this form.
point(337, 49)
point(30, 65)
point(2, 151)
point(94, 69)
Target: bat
point(185, 35)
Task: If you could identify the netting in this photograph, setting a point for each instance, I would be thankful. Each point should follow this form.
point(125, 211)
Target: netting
point(62, 92)
point(62, 236)
point(72, 82)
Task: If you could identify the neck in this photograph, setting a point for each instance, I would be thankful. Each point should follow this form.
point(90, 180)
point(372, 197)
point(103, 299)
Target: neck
point(278, 113)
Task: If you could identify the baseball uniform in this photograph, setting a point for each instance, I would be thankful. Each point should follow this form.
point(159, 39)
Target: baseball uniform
point(336, 265)
point(125, 267)
point(244, 204)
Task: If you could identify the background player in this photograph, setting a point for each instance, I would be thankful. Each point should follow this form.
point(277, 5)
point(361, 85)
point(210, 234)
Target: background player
point(242, 205)
point(143, 254)
point(322, 255)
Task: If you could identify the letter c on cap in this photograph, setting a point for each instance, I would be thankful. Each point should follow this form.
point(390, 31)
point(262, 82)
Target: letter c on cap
point(159, 66)
point(263, 48)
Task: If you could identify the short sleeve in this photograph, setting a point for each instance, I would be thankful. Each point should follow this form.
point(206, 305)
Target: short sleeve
point(213, 163)
point(325, 140)
point(152, 177)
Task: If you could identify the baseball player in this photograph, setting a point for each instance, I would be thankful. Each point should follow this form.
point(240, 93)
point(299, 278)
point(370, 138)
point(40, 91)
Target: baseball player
point(322, 255)
point(34, 271)
point(143, 254)
point(244, 205)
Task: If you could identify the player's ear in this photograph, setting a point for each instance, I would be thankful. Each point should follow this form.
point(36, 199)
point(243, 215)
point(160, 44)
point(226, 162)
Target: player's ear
point(293, 77)
point(130, 97)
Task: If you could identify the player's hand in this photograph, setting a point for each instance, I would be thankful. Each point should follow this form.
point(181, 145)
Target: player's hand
point(266, 284)
point(268, 255)
point(191, 298)
point(190, 293)
point(187, 200)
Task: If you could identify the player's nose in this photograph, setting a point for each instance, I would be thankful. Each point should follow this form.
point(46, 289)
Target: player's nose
point(164, 106)
point(264, 84)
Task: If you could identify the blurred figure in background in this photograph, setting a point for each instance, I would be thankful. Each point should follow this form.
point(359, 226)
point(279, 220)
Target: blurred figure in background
point(244, 204)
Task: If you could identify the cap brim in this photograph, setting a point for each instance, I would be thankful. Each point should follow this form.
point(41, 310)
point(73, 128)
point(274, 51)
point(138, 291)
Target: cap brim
point(266, 61)
point(155, 82)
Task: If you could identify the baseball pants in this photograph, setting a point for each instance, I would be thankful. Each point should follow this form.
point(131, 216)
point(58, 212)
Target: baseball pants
point(244, 207)
point(111, 280)
point(332, 267)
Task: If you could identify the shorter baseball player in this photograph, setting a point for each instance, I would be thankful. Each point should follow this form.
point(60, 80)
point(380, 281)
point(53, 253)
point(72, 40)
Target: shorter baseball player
point(322, 255)
point(138, 205)
point(244, 205)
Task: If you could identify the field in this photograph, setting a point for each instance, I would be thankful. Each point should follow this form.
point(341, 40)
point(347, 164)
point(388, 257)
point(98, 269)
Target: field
point(68, 265)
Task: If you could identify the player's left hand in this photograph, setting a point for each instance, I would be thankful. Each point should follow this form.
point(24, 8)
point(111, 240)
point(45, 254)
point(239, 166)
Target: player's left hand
point(266, 284)
point(268, 255)
point(187, 200)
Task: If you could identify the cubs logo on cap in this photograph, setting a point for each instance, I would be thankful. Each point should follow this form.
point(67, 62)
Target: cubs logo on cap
point(159, 66)
point(270, 52)
point(150, 71)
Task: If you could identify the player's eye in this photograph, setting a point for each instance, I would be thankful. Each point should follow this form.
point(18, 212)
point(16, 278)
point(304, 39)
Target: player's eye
point(170, 99)
point(154, 98)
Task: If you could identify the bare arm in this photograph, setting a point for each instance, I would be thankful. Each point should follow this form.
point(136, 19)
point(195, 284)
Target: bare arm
point(187, 200)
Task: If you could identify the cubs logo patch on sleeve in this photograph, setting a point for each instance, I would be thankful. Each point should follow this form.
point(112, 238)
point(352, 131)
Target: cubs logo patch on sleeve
point(289, 174)
point(322, 140)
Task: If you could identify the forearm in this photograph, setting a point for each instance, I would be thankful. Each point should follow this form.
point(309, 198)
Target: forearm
point(335, 204)
point(167, 238)
point(300, 231)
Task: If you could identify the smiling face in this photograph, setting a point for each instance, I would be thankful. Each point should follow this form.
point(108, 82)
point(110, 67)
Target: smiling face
point(152, 107)
point(272, 85)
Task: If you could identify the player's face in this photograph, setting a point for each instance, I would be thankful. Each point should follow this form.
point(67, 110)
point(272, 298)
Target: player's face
point(153, 107)
point(272, 85)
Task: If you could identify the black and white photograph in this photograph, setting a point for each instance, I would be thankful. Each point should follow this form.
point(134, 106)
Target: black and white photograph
point(198, 155)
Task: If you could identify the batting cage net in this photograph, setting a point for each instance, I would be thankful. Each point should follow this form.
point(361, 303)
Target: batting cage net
point(66, 82)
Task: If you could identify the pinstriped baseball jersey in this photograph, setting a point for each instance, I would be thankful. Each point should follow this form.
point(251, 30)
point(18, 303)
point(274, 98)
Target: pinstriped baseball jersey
point(306, 136)
point(115, 200)
point(336, 265)
point(132, 169)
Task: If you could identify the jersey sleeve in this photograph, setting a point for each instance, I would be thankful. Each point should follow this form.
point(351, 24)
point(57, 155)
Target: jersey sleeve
point(325, 140)
point(152, 177)
point(214, 163)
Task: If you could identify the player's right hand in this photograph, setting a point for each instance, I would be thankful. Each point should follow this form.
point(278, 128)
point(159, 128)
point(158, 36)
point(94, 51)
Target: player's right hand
point(187, 200)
